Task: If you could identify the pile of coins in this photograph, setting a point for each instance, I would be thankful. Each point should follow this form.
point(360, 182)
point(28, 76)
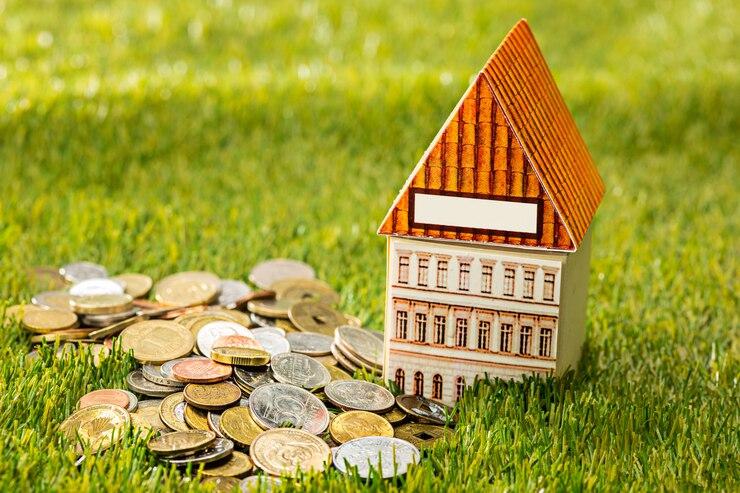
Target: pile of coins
point(235, 380)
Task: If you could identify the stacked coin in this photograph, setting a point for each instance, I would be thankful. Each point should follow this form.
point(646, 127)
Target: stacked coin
point(250, 381)
point(356, 348)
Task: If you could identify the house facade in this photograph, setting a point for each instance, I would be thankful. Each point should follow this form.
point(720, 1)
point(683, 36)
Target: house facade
point(488, 240)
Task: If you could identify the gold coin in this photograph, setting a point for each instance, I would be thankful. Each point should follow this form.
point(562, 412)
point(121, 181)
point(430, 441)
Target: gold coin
point(422, 435)
point(201, 320)
point(181, 442)
point(222, 484)
point(98, 426)
point(147, 415)
point(395, 416)
point(240, 356)
point(238, 465)
point(337, 373)
point(270, 308)
point(305, 290)
point(286, 325)
point(172, 412)
point(188, 288)
point(137, 285)
point(196, 419)
point(44, 321)
point(357, 424)
point(237, 424)
point(327, 360)
point(101, 304)
point(310, 316)
point(157, 341)
point(16, 312)
point(212, 396)
point(280, 451)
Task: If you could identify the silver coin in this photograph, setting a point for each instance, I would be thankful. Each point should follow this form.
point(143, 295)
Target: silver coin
point(352, 358)
point(79, 271)
point(108, 318)
point(424, 409)
point(232, 290)
point(359, 395)
point(262, 321)
point(266, 273)
point(310, 343)
point(361, 343)
point(154, 374)
point(253, 378)
point(133, 401)
point(268, 330)
point(219, 449)
point(259, 483)
point(214, 417)
point(96, 285)
point(58, 300)
point(342, 359)
point(208, 334)
point(273, 343)
point(389, 456)
point(136, 382)
point(300, 370)
point(275, 404)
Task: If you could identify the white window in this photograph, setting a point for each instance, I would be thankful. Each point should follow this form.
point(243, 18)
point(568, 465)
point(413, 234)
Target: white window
point(403, 269)
point(545, 343)
point(484, 334)
point(528, 284)
point(464, 284)
point(548, 290)
point(525, 340)
point(461, 332)
point(442, 274)
point(423, 271)
point(440, 323)
point(421, 327)
point(509, 281)
point(505, 341)
point(486, 281)
point(402, 323)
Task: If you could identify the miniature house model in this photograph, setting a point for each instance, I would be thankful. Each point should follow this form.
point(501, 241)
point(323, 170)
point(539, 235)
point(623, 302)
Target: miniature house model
point(488, 240)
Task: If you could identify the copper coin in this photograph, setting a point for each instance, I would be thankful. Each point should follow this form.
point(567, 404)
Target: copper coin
point(104, 396)
point(200, 371)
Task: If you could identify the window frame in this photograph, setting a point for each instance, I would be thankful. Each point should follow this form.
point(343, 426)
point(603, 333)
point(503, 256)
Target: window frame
point(549, 280)
point(419, 383)
point(486, 279)
point(486, 331)
point(404, 268)
point(461, 332)
point(437, 386)
point(420, 327)
point(528, 284)
point(525, 331)
point(440, 329)
point(442, 273)
point(422, 273)
point(509, 281)
point(463, 275)
point(402, 324)
point(547, 338)
point(506, 332)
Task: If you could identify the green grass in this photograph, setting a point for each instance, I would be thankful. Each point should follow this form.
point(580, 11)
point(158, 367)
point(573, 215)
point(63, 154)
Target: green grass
point(159, 136)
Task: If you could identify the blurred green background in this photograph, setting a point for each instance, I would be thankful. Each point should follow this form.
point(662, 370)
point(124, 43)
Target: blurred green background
point(161, 136)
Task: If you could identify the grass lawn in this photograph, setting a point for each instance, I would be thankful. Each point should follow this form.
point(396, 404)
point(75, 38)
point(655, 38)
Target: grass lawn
point(162, 136)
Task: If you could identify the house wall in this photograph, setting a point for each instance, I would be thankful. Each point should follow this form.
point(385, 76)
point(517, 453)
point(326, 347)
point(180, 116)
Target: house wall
point(463, 305)
point(573, 299)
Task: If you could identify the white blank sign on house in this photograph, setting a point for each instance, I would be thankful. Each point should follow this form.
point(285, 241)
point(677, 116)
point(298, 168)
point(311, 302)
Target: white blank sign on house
point(463, 212)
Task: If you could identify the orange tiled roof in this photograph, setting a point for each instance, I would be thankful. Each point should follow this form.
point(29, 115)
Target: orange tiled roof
point(510, 136)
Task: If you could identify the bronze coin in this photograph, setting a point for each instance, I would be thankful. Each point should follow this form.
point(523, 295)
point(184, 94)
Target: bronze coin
point(104, 396)
point(200, 371)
